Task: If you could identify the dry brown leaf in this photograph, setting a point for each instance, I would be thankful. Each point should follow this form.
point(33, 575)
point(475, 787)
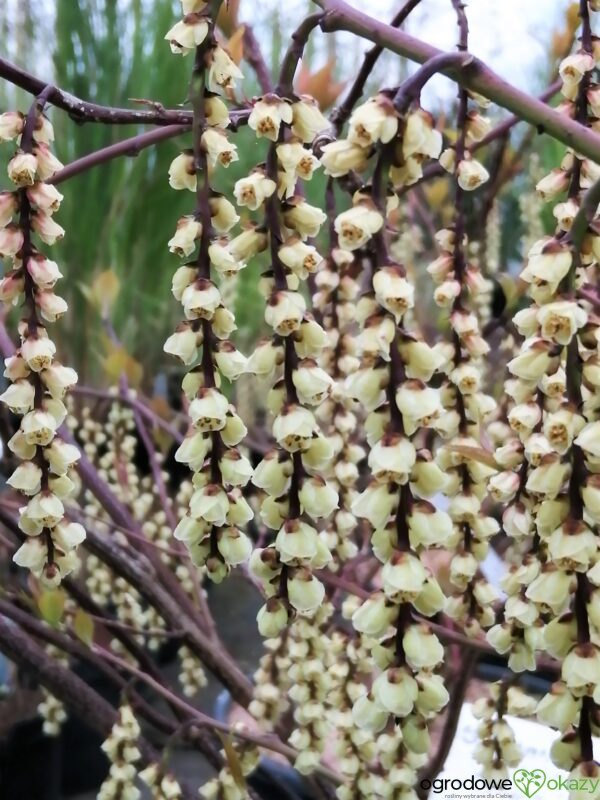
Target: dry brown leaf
point(118, 362)
point(235, 45)
point(103, 291)
point(562, 41)
point(227, 19)
point(51, 603)
point(83, 625)
point(320, 84)
point(233, 760)
point(572, 17)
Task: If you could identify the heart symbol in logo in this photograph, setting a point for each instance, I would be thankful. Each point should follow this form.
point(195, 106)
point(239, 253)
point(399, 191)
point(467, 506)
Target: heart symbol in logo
point(529, 782)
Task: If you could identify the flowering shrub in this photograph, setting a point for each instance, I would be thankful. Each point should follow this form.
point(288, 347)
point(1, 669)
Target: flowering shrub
point(388, 438)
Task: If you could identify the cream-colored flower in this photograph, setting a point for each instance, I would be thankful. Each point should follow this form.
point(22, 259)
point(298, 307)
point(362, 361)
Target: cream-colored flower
point(222, 72)
point(373, 121)
point(307, 119)
point(357, 225)
point(420, 138)
point(188, 33)
point(267, 115)
point(342, 156)
point(182, 172)
point(252, 191)
point(303, 218)
point(471, 174)
point(218, 147)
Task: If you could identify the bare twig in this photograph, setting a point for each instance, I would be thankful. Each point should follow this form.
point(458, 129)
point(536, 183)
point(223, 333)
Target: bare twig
point(294, 53)
point(84, 111)
point(341, 114)
point(254, 56)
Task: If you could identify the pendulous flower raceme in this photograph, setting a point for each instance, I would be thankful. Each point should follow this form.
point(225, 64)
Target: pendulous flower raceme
point(497, 750)
point(38, 382)
point(122, 751)
point(466, 408)
point(211, 529)
point(550, 462)
point(339, 414)
point(296, 495)
point(392, 384)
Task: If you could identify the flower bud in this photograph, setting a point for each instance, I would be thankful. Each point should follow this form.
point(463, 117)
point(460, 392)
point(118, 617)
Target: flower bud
point(22, 169)
point(307, 119)
point(305, 592)
point(285, 311)
point(234, 546)
point(208, 410)
point(218, 148)
point(187, 232)
point(368, 715)
point(303, 218)
point(395, 690)
point(420, 137)
point(373, 121)
point(342, 156)
point(356, 226)
point(272, 618)
point(182, 172)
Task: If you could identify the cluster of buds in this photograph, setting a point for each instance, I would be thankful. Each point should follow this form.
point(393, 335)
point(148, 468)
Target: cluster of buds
point(498, 751)
point(309, 650)
point(38, 382)
point(466, 408)
point(162, 783)
point(358, 753)
point(271, 682)
point(339, 415)
point(51, 709)
point(391, 383)
point(296, 495)
point(191, 675)
point(122, 751)
point(210, 529)
point(551, 461)
point(226, 786)
point(460, 288)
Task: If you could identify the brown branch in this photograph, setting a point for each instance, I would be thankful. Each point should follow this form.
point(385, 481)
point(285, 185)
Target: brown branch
point(84, 111)
point(128, 147)
point(133, 146)
point(74, 648)
point(477, 77)
point(294, 53)
point(201, 720)
point(61, 682)
point(412, 87)
point(254, 57)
